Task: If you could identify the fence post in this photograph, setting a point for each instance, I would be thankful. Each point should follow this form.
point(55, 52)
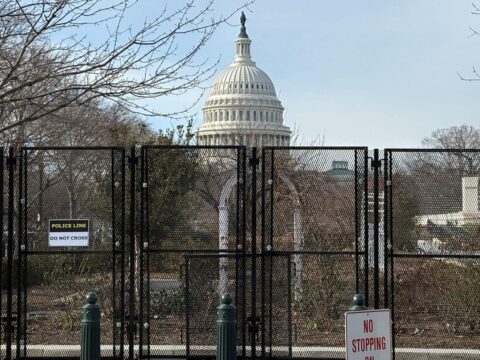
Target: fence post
point(358, 303)
point(226, 329)
point(90, 332)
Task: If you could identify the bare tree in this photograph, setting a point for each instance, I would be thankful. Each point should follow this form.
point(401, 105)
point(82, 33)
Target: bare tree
point(454, 160)
point(435, 177)
point(474, 33)
point(455, 137)
point(49, 61)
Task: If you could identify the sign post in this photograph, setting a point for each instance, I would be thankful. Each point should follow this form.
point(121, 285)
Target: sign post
point(68, 233)
point(368, 335)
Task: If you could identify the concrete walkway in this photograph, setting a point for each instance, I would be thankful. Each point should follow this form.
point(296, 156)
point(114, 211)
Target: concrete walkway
point(304, 352)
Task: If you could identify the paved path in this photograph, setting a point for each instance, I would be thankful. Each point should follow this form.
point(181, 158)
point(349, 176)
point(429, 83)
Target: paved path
point(311, 351)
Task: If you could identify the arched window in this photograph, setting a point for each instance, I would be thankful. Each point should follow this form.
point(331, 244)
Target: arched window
point(227, 115)
point(255, 115)
point(261, 116)
point(233, 115)
point(248, 115)
point(221, 115)
point(215, 116)
point(240, 115)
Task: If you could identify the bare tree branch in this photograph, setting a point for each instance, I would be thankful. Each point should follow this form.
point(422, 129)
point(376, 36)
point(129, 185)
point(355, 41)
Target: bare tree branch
point(49, 61)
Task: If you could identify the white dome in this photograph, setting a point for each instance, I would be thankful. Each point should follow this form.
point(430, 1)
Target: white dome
point(243, 79)
point(243, 108)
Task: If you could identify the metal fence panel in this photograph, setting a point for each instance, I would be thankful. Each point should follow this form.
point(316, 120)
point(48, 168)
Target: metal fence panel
point(433, 250)
point(50, 282)
point(315, 214)
point(192, 202)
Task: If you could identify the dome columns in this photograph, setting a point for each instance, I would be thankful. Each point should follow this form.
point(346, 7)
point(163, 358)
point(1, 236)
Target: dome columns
point(243, 50)
point(247, 139)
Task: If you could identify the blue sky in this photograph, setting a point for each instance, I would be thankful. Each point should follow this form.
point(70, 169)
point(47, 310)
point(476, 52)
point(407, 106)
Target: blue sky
point(380, 73)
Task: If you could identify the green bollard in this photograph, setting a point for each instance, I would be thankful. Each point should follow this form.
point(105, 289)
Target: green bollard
point(90, 332)
point(358, 303)
point(226, 329)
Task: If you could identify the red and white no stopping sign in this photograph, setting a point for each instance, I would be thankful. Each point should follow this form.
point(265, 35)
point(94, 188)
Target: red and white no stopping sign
point(368, 335)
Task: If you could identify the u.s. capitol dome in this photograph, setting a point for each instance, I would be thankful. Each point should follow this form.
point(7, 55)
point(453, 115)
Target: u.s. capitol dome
point(243, 108)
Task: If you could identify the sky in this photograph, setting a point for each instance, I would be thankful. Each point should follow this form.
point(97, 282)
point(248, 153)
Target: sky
point(376, 73)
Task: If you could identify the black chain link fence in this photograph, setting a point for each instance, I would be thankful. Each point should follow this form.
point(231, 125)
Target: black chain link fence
point(192, 202)
point(315, 217)
point(433, 227)
point(287, 231)
point(49, 282)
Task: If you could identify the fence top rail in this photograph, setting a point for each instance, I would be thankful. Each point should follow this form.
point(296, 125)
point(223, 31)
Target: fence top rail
point(93, 148)
point(392, 150)
point(316, 148)
point(473, 255)
point(234, 255)
point(173, 146)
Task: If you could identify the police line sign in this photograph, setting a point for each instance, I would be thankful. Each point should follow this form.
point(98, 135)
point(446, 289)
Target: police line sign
point(368, 335)
point(68, 233)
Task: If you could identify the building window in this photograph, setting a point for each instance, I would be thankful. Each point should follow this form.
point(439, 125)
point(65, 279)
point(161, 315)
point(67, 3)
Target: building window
point(248, 115)
point(227, 115)
point(255, 115)
point(240, 115)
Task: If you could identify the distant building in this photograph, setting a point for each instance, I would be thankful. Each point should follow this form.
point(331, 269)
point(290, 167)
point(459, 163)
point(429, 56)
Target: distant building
point(341, 172)
point(469, 215)
point(243, 108)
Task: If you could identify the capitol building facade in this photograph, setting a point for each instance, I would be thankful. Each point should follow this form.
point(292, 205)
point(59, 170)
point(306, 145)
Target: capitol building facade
point(243, 108)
